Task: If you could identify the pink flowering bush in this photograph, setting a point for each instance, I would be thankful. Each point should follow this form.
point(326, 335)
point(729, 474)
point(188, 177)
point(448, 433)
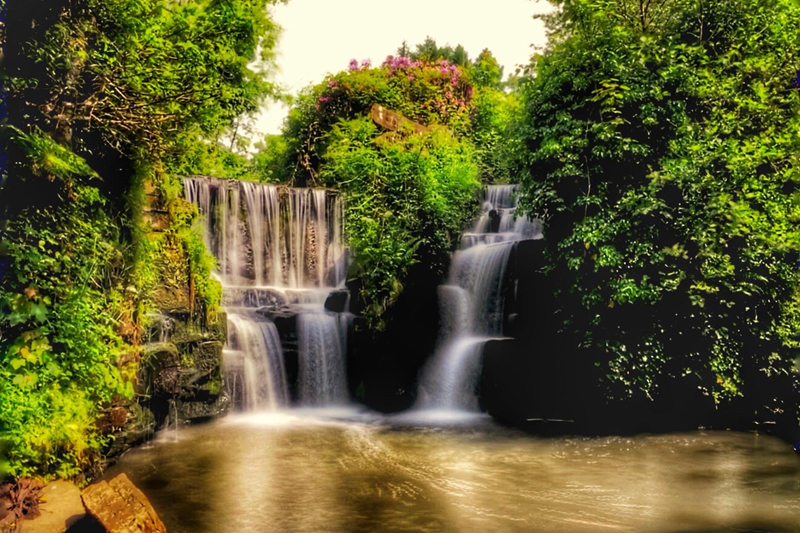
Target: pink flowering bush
point(430, 93)
point(408, 195)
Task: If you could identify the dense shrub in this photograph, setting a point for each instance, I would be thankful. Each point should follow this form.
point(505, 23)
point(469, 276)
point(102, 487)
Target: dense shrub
point(105, 98)
point(407, 199)
point(60, 316)
point(407, 195)
point(663, 157)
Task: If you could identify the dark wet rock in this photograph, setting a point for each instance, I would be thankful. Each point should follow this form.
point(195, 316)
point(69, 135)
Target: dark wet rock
point(201, 409)
point(180, 378)
point(337, 301)
point(253, 297)
point(139, 427)
point(162, 364)
point(284, 312)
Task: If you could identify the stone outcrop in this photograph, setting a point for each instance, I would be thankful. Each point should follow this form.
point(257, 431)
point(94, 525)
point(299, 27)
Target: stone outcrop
point(179, 381)
point(120, 507)
point(181, 374)
point(337, 300)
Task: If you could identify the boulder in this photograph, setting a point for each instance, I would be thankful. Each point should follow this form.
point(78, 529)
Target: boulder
point(121, 508)
point(165, 364)
point(337, 300)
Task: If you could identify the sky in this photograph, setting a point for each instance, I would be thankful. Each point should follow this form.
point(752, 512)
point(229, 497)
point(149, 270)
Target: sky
point(321, 36)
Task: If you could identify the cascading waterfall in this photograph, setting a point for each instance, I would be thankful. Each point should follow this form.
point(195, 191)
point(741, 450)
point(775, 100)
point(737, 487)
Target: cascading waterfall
point(471, 302)
point(275, 247)
point(253, 381)
point(499, 210)
point(321, 353)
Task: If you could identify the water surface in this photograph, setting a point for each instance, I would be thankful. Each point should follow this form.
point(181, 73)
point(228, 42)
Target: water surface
point(302, 472)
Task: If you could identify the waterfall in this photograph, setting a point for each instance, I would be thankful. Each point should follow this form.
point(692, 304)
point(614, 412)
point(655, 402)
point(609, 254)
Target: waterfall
point(271, 236)
point(321, 360)
point(499, 209)
point(253, 363)
point(276, 247)
point(472, 301)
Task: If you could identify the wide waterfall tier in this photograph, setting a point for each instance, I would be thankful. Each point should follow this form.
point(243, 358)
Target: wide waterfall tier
point(499, 221)
point(279, 252)
point(472, 302)
point(268, 235)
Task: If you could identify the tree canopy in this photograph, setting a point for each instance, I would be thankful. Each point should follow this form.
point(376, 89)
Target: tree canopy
point(663, 142)
point(104, 96)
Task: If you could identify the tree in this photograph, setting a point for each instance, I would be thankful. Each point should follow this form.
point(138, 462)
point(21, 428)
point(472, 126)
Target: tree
point(103, 95)
point(487, 72)
point(663, 140)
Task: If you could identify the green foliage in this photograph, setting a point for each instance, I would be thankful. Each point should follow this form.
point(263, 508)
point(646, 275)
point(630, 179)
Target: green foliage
point(431, 52)
point(407, 199)
point(497, 148)
point(270, 163)
point(486, 71)
point(423, 92)
point(46, 157)
point(201, 158)
point(107, 93)
point(159, 69)
point(60, 346)
point(663, 157)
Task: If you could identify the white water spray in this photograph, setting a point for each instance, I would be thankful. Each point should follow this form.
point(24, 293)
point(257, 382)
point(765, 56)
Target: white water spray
point(472, 302)
point(276, 246)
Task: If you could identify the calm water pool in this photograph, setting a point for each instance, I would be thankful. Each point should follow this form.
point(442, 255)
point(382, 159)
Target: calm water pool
point(309, 472)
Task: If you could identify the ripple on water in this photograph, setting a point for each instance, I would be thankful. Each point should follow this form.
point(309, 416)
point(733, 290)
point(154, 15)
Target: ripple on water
point(354, 471)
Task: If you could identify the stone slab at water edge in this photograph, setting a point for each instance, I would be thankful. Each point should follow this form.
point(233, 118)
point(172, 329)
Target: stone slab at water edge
point(121, 508)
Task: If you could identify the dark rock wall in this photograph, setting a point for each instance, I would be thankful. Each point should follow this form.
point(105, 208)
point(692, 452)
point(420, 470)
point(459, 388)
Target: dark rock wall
point(179, 379)
point(383, 366)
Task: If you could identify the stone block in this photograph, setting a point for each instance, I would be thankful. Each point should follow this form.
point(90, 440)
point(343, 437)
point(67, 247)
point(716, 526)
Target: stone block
point(120, 507)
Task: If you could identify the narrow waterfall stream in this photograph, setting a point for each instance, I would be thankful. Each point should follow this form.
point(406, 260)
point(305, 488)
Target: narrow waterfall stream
point(471, 302)
point(276, 248)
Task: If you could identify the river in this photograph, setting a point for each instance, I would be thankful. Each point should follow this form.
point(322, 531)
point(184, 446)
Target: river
point(312, 471)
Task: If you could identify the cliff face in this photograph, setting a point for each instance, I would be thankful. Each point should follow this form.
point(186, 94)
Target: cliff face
point(179, 377)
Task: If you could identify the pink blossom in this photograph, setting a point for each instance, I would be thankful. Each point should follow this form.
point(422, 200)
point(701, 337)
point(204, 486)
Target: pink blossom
point(400, 62)
point(333, 83)
point(353, 64)
point(366, 63)
point(323, 99)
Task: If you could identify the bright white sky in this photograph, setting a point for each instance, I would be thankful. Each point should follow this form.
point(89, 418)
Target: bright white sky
point(321, 36)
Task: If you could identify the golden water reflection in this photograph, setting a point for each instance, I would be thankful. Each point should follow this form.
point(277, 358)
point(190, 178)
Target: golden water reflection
point(299, 474)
